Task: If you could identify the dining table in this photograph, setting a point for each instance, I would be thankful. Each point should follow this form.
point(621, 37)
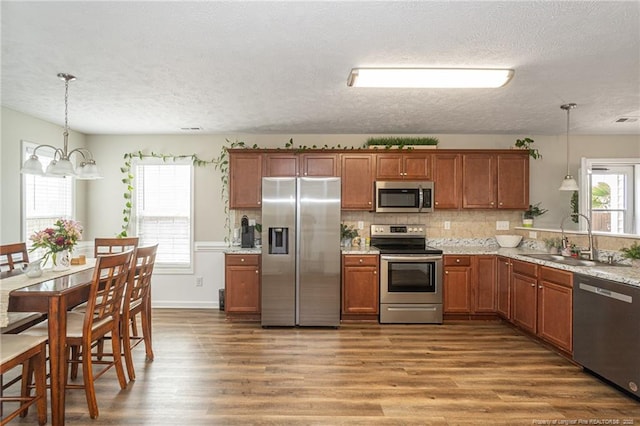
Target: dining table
point(53, 293)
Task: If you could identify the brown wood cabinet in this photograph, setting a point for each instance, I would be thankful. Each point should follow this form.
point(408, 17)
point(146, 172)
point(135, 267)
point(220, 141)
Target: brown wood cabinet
point(503, 284)
point(242, 285)
point(414, 166)
point(524, 300)
point(469, 285)
point(357, 171)
point(555, 307)
point(245, 180)
point(447, 177)
point(456, 297)
point(360, 287)
point(319, 165)
point(495, 181)
point(280, 165)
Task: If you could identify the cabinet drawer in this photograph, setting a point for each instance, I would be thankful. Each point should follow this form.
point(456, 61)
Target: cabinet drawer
point(524, 268)
point(556, 276)
point(242, 259)
point(457, 260)
point(360, 260)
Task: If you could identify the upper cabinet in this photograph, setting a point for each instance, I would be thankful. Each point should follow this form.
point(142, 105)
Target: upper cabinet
point(300, 165)
point(413, 166)
point(463, 179)
point(447, 177)
point(495, 181)
point(357, 171)
point(245, 180)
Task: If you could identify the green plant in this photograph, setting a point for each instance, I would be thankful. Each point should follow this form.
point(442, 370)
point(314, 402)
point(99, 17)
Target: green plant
point(389, 142)
point(552, 242)
point(347, 232)
point(574, 207)
point(534, 210)
point(526, 143)
point(633, 252)
point(258, 228)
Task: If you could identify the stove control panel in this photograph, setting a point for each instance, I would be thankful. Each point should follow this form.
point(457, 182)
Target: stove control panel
point(398, 230)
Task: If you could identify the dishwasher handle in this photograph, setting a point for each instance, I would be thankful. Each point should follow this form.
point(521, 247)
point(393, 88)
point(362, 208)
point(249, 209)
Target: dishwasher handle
point(606, 293)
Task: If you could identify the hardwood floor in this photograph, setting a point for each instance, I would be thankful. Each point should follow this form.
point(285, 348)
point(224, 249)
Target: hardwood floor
point(209, 371)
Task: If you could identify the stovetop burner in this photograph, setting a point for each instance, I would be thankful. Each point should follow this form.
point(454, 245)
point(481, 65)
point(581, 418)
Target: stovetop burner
point(401, 239)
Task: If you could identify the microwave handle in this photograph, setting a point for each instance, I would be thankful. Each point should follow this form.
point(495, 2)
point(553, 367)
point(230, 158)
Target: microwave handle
point(420, 198)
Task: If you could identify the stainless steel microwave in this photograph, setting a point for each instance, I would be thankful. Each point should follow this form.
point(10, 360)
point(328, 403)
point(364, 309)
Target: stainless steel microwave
point(404, 196)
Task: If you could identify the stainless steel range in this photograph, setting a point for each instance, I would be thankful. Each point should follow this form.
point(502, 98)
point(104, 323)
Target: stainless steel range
point(410, 275)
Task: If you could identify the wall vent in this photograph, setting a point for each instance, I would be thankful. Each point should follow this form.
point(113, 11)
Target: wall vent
point(191, 129)
point(627, 120)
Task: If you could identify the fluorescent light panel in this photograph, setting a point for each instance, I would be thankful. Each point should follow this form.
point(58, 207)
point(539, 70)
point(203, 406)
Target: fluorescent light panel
point(445, 78)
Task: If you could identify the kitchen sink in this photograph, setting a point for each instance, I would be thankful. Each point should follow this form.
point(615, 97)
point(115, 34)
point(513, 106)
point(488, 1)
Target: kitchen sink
point(566, 260)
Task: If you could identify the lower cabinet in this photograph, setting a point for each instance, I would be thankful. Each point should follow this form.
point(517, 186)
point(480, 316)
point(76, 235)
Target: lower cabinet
point(542, 302)
point(360, 287)
point(242, 285)
point(555, 307)
point(503, 284)
point(469, 285)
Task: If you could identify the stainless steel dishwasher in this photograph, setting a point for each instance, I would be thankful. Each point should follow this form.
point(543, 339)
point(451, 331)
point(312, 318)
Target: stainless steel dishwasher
point(606, 330)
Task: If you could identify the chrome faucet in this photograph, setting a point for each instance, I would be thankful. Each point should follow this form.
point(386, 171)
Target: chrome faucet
point(589, 252)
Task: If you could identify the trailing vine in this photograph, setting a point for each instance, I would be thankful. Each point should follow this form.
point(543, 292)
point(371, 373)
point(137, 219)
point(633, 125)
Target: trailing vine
point(220, 163)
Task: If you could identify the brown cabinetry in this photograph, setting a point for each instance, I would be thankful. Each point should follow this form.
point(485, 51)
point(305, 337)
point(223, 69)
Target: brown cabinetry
point(503, 284)
point(469, 285)
point(555, 307)
point(495, 181)
point(319, 165)
point(404, 166)
point(524, 283)
point(245, 180)
point(357, 171)
point(447, 177)
point(280, 165)
point(360, 287)
point(242, 285)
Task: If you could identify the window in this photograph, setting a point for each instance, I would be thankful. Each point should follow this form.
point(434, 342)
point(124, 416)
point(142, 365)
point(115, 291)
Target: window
point(611, 201)
point(163, 210)
point(44, 199)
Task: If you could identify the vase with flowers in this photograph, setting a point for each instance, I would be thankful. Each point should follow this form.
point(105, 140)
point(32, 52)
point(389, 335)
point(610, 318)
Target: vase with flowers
point(57, 242)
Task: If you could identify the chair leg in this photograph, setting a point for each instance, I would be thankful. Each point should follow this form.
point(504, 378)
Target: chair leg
point(146, 333)
point(87, 376)
point(117, 357)
point(75, 350)
point(126, 348)
point(25, 383)
point(134, 325)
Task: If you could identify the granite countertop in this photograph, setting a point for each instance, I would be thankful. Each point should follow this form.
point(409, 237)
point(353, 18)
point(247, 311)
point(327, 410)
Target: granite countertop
point(240, 250)
point(359, 250)
point(624, 274)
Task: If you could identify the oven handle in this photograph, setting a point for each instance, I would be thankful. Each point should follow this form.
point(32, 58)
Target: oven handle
point(409, 258)
point(420, 198)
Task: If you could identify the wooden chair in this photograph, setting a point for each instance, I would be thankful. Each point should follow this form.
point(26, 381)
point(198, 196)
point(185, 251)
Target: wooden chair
point(137, 300)
point(113, 245)
point(12, 256)
point(28, 352)
point(102, 317)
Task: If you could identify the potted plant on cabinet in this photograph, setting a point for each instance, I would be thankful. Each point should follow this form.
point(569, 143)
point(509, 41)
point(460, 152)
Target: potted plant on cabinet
point(532, 212)
point(527, 143)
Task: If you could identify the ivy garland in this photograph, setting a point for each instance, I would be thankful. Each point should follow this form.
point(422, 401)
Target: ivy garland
point(220, 163)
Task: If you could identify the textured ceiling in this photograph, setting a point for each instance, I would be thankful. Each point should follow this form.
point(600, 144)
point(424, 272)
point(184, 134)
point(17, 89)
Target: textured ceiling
point(282, 67)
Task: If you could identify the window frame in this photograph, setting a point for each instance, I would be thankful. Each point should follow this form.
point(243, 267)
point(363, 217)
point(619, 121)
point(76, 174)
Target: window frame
point(162, 267)
point(25, 146)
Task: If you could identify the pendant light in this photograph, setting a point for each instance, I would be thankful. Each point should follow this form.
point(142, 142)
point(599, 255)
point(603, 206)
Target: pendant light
point(568, 183)
point(60, 166)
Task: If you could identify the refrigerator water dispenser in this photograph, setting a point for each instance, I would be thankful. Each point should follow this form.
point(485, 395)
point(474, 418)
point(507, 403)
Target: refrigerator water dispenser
point(278, 240)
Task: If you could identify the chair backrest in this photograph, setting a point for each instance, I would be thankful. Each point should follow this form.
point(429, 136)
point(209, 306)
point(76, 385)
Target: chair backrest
point(12, 255)
point(110, 277)
point(114, 245)
point(140, 276)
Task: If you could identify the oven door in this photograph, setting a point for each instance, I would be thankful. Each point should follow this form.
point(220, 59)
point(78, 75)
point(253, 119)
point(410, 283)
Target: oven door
point(410, 278)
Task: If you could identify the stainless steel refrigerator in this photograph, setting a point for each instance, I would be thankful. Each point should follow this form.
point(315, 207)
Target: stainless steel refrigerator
point(301, 251)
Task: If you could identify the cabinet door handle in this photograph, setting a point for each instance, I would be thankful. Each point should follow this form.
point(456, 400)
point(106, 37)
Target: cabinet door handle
point(457, 260)
point(375, 272)
point(436, 203)
point(305, 173)
point(259, 202)
point(492, 203)
point(242, 259)
point(500, 204)
point(360, 260)
point(540, 287)
point(446, 272)
point(369, 202)
point(506, 263)
point(533, 285)
point(257, 272)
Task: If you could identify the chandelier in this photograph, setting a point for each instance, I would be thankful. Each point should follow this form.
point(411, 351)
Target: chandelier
point(60, 166)
point(568, 183)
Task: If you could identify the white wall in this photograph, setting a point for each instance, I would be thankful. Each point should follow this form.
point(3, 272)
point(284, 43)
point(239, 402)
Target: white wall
point(15, 128)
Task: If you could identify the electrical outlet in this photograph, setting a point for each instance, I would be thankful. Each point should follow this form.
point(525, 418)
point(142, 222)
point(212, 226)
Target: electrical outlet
point(252, 222)
point(502, 225)
point(447, 224)
point(533, 234)
point(199, 281)
point(360, 224)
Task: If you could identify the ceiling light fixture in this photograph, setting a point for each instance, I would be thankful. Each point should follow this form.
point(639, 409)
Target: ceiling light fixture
point(568, 183)
point(443, 78)
point(60, 166)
